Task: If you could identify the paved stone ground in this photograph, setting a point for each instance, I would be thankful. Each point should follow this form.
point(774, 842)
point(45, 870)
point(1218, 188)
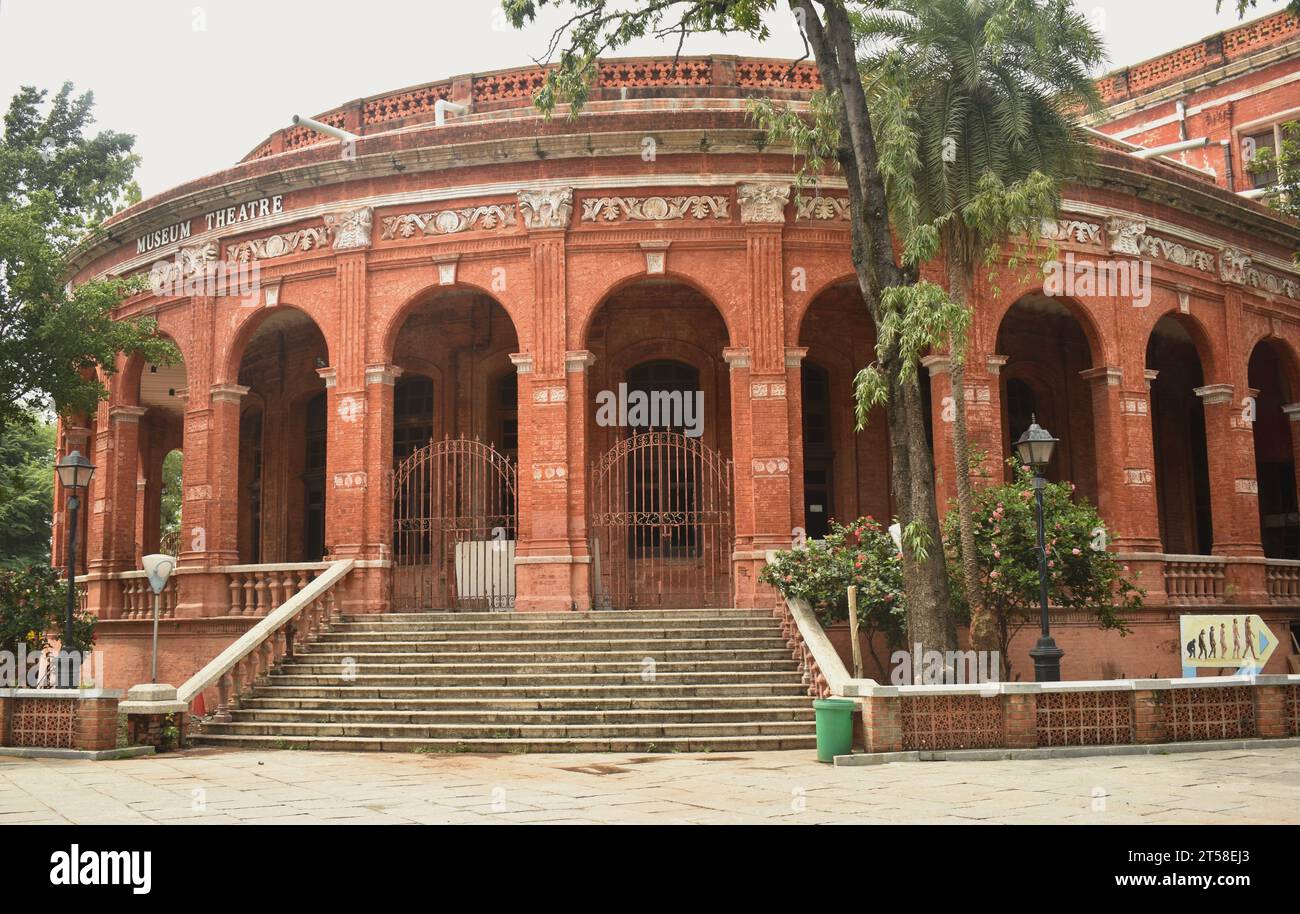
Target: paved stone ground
point(233, 786)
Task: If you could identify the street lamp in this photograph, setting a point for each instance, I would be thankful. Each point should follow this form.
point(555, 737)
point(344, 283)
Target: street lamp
point(75, 472)
point(158, 568)
point(1034, 448)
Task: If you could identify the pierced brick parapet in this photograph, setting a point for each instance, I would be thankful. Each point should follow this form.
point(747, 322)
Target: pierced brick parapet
point(1022, 715)
point(80, 719)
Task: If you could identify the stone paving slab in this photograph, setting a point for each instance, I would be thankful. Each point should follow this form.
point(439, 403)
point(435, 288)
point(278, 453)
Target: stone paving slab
point(1254, 785)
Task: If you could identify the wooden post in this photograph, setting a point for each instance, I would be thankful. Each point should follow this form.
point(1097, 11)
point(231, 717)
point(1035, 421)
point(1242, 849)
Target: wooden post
point(853, 631)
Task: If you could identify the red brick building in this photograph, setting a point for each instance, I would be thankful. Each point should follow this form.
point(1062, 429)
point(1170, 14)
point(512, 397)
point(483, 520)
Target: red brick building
point(479, 283)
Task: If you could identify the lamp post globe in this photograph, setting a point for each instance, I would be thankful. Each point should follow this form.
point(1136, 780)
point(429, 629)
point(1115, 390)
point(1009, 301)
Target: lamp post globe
point(75, 473)
point(1035, 448)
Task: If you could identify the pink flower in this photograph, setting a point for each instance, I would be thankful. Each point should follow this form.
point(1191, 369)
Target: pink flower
point(997, 554)
point(1075, 551)
point(1051, 564)
point(993, 574)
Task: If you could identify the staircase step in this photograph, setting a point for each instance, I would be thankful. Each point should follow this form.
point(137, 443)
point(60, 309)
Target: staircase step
point(621, 745)
point(438, 681)
point(519, 717)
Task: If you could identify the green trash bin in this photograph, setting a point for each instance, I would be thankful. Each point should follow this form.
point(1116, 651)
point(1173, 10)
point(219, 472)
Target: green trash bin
point(834, 727)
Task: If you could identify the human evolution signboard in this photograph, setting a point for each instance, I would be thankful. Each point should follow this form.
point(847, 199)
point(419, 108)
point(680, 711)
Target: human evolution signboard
point(1240, 640)
point(218, 218)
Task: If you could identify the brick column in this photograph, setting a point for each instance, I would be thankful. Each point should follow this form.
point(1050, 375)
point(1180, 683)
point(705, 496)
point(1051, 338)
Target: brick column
point(1019, 720)
point(1149, 715)
point(882, 723)
point(1270, 711)
point(551, 563)
point(941, 419)
point(210, 536)
point(378, 522)
point(1234, 493)
point(1292, 411)
point(766, 502)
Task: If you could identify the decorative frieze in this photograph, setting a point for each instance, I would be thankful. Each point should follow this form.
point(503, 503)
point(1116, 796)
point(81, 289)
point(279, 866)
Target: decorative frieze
point(550, 472)
point(1075, 230)
point(301, 241)
point(350, 228)
point(189, 260)
point(1133, 406)
point(1236, 266)
point(763, 390)
point(550, 395)
point(1129, 237)
point(763, 202)
point(829, 209)
point(655, 209)
point(541, 209)
point(489, 217)
point(771, 466)
point(354, 480)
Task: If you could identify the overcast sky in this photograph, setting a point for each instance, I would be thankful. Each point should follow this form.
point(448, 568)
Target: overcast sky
point(201, 82)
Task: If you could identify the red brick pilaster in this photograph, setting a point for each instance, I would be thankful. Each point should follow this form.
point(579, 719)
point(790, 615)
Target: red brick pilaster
point(1019, 720)
point(1149, 716)
point(1234, 492)
point(882, 723)
point(1270, 711)
point(96, 724)
point(941, 419)
point(762, 425)
point(551, 568)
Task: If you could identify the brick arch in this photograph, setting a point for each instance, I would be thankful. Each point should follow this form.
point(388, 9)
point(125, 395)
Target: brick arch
point(795, 326)
point(429, 295)
point(1201, 341)
point(631, 279)
point(1101, 348)
point(124, 384)
point(1287, 356)
point(244, 332)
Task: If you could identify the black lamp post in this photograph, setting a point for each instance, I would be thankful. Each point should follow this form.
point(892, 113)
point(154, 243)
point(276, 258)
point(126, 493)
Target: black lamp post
point(1034, 448)
point(75, 472)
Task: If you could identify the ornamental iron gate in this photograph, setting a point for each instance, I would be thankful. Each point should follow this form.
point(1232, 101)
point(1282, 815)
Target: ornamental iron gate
point(661, 524)
point(455, 516)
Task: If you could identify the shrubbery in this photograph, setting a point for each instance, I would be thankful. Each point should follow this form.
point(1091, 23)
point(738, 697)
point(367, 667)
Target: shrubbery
point(1082, 575)
point(821, 571)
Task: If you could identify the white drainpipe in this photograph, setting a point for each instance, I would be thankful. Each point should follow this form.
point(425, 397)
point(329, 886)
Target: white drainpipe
point(442, 107)
point(324, 128)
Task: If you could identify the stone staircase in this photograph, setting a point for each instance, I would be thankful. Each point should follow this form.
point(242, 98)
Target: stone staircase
point(689, 680)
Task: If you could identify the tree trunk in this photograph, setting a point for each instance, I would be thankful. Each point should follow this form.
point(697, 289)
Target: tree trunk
point(983, 627)
point(925, 581)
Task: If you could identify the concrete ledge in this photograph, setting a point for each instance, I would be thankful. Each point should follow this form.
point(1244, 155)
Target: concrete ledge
point(869, 688)
point(99, 755)
point(79, 694)
point(1051, 752)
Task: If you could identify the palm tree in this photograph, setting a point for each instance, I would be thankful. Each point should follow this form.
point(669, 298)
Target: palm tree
point(977, 100)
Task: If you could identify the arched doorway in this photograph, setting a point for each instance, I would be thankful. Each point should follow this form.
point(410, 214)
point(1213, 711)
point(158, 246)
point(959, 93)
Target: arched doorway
point(845, 472)
point(660, 500)
point(1178, 438)
point(455, 450)
point(1046, 350)
point(282, 440)
point(1275, 469)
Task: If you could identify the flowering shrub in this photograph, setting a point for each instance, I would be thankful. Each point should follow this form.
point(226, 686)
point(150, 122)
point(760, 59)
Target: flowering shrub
point(861, 553)
point(1082, 575)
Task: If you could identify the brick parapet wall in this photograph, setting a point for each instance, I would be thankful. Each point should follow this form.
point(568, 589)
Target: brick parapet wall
point(80, 719)
point(1027, 716)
